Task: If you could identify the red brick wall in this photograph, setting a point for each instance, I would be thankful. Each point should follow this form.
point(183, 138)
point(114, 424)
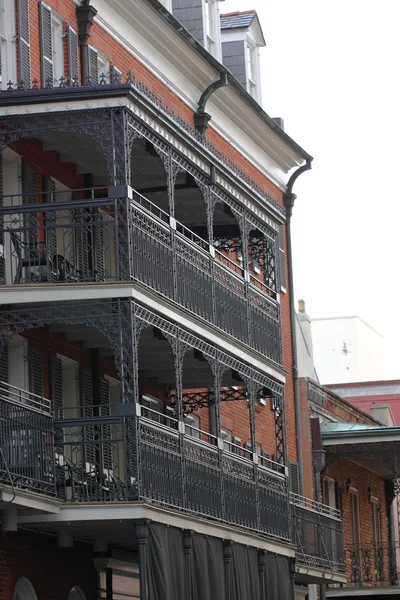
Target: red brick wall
point(125, 62)
point(53, 572)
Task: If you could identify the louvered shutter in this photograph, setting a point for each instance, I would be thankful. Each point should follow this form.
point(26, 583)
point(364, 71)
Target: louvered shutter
point(46, 45)
point(338, 496)
point(98, 233)
point(106, 429)
point(56, 382)
point(116, 75)
point(29, 197)
point(93, 66)
point(294, 482)
point(73, 60)
point(281, 259)
point(49, 187)
point(86, 392)
point(4, 364)
point(23, 42)
point(83, 243)
point(35, 361)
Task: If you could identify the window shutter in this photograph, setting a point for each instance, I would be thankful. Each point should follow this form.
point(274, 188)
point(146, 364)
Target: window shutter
point(35, 361)
point(106, 429)
point(83, 243)
point(281, 259)
point(99, 248)
point(56, 382)
point(49, 188)
point(46, 45)
point(116, 75)
point(338, 496)
point(29, 197)
point(4, 364)
point(73, 61)
point(93, 66)
point(85, 381)
point(23, 42)
point(294, 483)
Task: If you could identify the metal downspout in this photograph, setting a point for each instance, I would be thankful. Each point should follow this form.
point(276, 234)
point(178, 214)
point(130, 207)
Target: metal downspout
point(289, 197)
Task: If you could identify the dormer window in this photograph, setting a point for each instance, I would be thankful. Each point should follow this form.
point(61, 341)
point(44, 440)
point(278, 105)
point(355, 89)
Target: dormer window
point(167, 4)
point(212, 37)
point(251, 69)
point(201, 19)
point(242, 37)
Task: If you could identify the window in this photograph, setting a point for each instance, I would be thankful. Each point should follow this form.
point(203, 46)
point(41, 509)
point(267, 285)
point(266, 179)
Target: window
point(328, 492)
point(57, 48)
point(251, 69)
point(212, 33)
point(167, 4)
point(8, 67)
point(226, 437)
point(192, 425)
point(355, 517)
point(24, 590)
point(99, 67)
point(376, 521)
point(235, 446)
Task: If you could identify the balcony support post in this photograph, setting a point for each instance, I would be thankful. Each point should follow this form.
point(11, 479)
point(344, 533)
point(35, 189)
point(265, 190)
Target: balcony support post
point(227, 568)
point(292, 571)
point(142, 534)
point(261, 573)
point(188, 547)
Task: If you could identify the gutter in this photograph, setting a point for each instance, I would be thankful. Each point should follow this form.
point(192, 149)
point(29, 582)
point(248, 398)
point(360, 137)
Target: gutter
point(232, 81)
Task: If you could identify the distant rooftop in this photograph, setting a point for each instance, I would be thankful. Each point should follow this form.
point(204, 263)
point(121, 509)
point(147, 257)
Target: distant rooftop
point(237, 20)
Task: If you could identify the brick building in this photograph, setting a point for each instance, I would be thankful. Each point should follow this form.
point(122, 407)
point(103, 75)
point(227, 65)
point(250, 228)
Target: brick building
point(149, 408)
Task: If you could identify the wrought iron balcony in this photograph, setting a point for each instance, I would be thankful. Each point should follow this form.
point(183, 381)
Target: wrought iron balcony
point(123, 239)
point(372, 565)
point(96, 460)
point(318, 534)
point(26, 441)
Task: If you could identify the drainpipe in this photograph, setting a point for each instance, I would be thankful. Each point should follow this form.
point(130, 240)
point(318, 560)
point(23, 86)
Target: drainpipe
point(289, 197)
point(85, 15)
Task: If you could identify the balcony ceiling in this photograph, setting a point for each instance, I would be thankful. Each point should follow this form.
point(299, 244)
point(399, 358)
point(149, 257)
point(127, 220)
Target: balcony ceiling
point(374, 448)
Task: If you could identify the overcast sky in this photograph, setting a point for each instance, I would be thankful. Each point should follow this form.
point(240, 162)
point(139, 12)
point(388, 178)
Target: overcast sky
point(332, 72)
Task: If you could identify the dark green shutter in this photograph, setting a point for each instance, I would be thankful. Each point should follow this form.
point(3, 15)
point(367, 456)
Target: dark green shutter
point(29, 197)
point(98, 233)
point(4, 364)
point(338, 496)
point(294, 482)
point(24, 42)
point(35, 361)
point(73, 61)
point(86, 392)
point(83, 243)
point(56, 382)
point(93, 66)
point(106, 429)
point(49, 188)
point(46, 45)
point(281, 259)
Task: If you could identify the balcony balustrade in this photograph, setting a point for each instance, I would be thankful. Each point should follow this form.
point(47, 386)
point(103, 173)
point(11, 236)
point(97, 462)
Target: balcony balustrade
point(26, 441)
point(372, 565)
point(318, 534)
point(109, 240)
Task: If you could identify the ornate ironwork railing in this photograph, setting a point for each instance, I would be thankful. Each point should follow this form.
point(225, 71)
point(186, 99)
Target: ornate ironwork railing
point(318, 534)
point(26, 442)
point(188, 473)
point(103, 239)
point(370, 565)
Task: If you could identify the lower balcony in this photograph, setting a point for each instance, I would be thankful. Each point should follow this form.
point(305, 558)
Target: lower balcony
point(113, 458)
point(318, 534)
point(372, 570)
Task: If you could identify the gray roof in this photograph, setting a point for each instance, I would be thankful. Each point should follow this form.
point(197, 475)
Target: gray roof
point(237, 20)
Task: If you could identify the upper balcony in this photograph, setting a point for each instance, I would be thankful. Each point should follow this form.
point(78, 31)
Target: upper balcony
point(116, 234)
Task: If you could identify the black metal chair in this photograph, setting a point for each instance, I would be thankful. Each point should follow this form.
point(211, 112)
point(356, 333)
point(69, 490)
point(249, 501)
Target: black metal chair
point(27, 256)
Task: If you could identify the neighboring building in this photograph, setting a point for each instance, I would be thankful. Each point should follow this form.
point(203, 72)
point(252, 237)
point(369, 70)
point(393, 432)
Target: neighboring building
point(352, 463)
point(147, 398)
point(347, 349)
point(304, 340)
point(368, 395)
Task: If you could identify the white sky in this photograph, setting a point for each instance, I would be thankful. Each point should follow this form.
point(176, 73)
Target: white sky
point(331, 71)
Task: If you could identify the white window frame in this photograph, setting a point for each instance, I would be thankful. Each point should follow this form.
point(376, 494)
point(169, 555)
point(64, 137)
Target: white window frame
point(353, 493)
point(57, 42)
point(8, 43)
point(192, 425)
point(103, 65)
point(376, 525)
point(226, 437)
point(212, 34)
point(252, 83)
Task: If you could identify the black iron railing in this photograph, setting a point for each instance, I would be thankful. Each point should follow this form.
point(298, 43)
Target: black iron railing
point(26, 441)
point(96, 461)
point(373, 565)
point(106, 239)
point(318, 534)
